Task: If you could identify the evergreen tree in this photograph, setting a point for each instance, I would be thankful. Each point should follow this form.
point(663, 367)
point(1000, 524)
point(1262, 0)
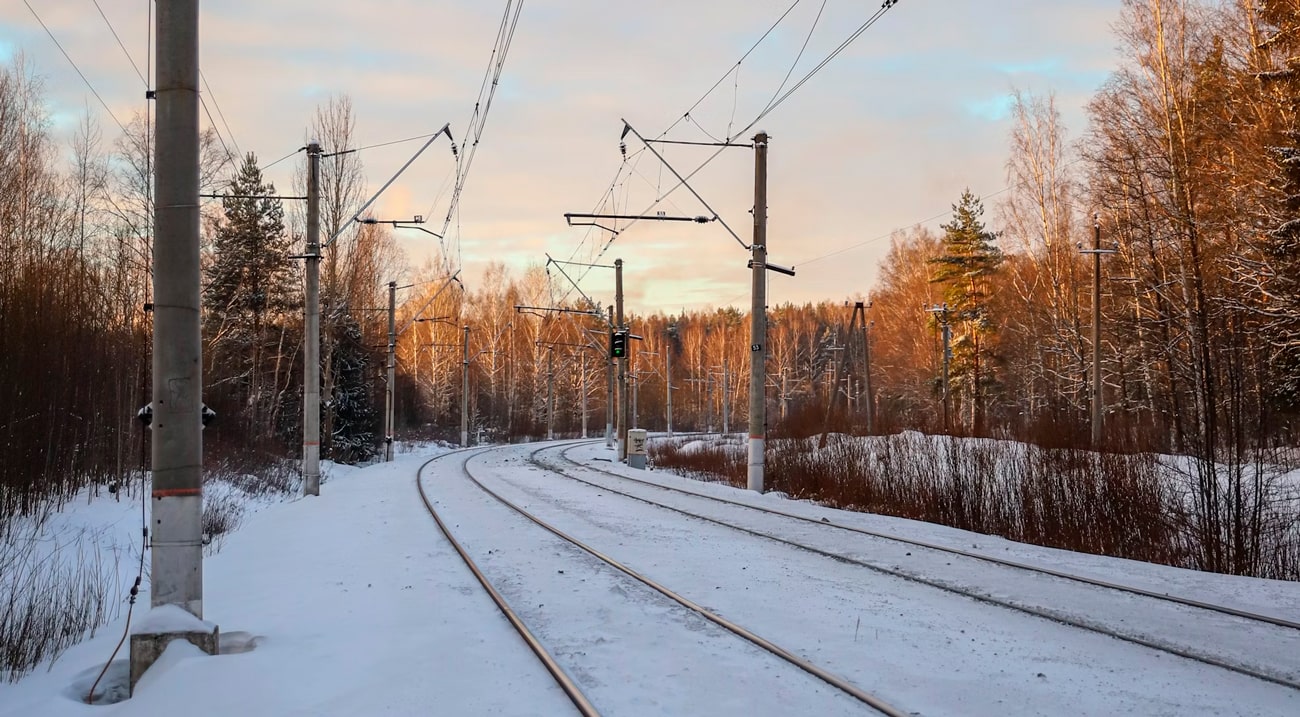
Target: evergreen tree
point(251, 296)
point(969, 258)
point(1280, 42)
point(355, 416)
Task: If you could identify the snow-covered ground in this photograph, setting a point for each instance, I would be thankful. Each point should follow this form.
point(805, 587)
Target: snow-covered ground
point(353, 604)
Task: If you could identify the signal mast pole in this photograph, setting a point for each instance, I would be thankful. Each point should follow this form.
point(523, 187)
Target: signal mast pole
point(624, 406)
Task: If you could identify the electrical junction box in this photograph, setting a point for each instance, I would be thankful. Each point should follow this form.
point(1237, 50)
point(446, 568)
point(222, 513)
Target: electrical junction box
point(636, 440)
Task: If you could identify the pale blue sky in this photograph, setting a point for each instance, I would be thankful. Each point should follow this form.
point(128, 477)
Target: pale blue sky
point(888, 134)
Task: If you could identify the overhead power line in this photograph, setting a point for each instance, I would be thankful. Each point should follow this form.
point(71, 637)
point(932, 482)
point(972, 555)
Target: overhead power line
point(80, 74)
point(774, 103)
point(478, 118)
point(208, 89)
point(376, 146)
point(802, 49)
point(685, 115)
point(884, 8)
point(119, 43)
point(217, 131)
point(777, 99)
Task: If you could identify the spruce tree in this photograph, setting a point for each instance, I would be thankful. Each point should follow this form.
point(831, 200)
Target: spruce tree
point(969, 257)
point(1280, 25)
point(251, 294)
point(354, 437)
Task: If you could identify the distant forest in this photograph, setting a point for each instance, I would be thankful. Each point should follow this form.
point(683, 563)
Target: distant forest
point(1190, 163)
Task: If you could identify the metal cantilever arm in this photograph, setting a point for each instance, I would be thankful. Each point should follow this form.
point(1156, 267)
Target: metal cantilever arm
point(446, 129)
point(628, 128)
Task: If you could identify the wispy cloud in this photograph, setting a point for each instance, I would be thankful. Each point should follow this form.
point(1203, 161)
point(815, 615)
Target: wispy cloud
point(887, 134)
point(993, 108)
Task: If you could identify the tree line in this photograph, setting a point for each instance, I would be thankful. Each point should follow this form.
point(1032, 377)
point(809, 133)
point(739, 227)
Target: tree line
point(1189, 168)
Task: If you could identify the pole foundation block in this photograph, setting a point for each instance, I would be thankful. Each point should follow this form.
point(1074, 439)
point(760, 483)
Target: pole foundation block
point(147, 647)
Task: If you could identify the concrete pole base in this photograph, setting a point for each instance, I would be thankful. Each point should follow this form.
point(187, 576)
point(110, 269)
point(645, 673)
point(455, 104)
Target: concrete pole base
point(146, 648)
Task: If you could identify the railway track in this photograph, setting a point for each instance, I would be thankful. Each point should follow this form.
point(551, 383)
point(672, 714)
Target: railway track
point(602, 578)
point(1098, 606)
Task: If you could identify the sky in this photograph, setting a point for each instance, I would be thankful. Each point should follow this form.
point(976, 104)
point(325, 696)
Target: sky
point(353, 603)
point(886, 136)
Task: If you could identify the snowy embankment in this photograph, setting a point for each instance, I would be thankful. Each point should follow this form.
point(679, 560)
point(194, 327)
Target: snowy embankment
point(352, 603)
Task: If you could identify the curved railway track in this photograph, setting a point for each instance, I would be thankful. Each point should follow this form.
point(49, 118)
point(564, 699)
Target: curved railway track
point(1283, 677)
point(548, 661)
point(567, 683)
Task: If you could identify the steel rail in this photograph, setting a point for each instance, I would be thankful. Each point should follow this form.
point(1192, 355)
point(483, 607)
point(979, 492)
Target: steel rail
point(1224, 609)
point(819, 672)
point(987, 599)
point(562, 678)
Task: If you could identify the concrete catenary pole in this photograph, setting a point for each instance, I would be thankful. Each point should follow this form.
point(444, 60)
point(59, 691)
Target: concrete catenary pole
point(177, 460)
point(624, 406)
point(464, 390)
point(609, 385)
point(311, 330)
point(867, 401)
point(726, 398)
point(583, 360)
point(668, 382)
point(708, 393)
point(550, 393)
point(758, 320)
point(392, 370)
point(510, 382)
point(947, 359)
point(1096, 331)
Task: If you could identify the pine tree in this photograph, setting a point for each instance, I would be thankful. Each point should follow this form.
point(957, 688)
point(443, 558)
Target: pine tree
point(968, 259)
point(251, 295)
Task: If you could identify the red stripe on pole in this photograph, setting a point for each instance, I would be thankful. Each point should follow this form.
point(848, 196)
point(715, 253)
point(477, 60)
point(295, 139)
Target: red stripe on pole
point(173, 492)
